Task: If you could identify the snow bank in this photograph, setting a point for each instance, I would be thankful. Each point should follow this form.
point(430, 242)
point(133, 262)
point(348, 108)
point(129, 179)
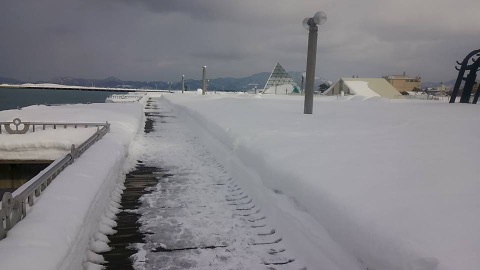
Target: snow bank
point(43, 144)
point(380, 184)
point(61, 227)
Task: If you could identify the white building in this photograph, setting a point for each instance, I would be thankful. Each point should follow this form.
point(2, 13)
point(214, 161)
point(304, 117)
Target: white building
point(366, 87)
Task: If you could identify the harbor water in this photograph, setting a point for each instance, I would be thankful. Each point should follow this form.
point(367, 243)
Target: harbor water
point(14, 98)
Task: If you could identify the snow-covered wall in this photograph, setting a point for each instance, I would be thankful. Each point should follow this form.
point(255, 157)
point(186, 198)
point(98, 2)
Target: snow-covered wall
point(59, 228)
point(381, 184)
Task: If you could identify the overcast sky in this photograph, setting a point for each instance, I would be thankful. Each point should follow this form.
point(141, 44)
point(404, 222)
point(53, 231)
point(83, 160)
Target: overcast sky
point(163, 39)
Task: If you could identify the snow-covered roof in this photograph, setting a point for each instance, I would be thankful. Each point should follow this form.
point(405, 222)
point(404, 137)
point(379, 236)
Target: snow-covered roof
point(367, 87)
point(361, 88)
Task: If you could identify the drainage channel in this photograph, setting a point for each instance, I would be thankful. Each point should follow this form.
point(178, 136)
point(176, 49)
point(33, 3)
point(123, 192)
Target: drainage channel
point(137, 183)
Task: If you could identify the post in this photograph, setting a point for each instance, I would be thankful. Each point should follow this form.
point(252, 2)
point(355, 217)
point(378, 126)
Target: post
point(183, 83)
point(301, 84)
point(456, 87)
point(468, 86)
point(461, 73)
point(477, 94)
point(204, 74)
point(310, 76)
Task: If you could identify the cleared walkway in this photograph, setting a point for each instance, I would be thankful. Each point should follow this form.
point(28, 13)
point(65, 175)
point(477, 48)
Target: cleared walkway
point(197, 217)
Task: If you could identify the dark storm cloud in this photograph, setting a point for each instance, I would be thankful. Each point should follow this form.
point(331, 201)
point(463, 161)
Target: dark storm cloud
point(217, 10)
point(210, 10)
point(230, 55)
point(160, 40)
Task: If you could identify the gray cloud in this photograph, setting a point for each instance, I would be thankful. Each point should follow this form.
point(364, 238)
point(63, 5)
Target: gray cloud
point(161, 40)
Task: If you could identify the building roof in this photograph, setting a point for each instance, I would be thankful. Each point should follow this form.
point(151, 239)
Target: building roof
point(401, 77)
point(371, 87)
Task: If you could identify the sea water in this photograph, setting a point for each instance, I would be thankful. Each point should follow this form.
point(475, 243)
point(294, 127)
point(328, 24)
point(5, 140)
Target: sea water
point(13, 98)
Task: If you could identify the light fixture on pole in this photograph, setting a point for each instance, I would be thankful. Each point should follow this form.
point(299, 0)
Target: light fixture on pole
point(311, 24)
point(204, 74)
point(183, 83)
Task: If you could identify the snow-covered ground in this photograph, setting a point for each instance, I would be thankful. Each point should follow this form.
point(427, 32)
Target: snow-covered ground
point(375, 183)
point(393, 185)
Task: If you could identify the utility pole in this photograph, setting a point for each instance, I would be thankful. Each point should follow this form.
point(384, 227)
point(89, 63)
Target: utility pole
point(312, 25)
point(204, 75)
point(183, 83)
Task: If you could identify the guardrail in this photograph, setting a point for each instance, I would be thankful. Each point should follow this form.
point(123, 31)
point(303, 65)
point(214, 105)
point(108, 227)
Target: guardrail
point(14, 205)
point(16, 126)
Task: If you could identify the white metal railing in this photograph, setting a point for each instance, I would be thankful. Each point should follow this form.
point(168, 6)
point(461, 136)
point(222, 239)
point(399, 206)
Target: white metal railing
point(16, 126)
point(14, 205)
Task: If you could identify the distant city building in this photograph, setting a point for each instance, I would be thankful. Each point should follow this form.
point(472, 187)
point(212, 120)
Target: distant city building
point(366, 87)
point(280, 82)
point(441, 90)
point(404, 83)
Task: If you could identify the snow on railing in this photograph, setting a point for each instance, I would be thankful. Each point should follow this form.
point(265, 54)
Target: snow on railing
point(16, 126)
point(14, 205)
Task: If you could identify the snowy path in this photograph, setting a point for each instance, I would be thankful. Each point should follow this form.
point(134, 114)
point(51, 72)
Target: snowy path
point(197, 217)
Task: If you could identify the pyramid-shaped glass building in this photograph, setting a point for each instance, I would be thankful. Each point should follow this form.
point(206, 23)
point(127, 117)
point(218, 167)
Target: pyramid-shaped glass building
point(280, 82)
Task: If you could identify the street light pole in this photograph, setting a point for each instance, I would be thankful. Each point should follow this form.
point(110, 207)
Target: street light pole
point(183, 83)
point(204, 74)
point(311, 61)
point(312, 25)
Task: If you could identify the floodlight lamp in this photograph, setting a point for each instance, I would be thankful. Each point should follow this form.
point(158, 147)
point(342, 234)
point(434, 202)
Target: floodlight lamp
point(305, 23)
point(320, 18)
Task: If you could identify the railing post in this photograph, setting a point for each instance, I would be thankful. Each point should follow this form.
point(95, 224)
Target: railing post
point(3, 231)
point(7, 205)
point(73, 152)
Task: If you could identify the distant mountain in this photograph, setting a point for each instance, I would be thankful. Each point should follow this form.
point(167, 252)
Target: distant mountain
point(244, 83)
point(226, 84)
point(9, 81)
point(297, 77)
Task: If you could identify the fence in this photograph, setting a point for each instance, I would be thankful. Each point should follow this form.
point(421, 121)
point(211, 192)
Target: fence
point(14, 205)
point(16, 126)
